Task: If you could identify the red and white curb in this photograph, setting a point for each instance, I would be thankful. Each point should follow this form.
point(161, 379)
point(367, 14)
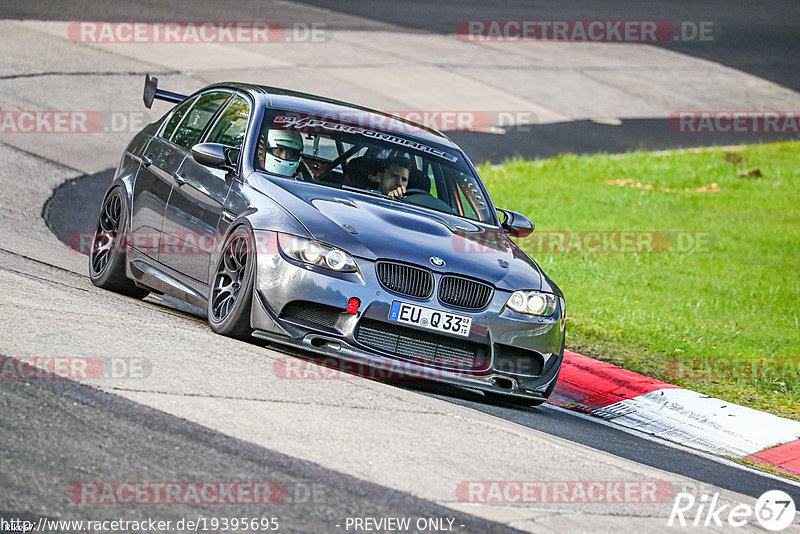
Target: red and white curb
point(677, 414)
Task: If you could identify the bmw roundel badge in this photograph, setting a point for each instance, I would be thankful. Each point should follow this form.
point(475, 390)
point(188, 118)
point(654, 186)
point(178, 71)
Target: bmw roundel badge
point(437, 262)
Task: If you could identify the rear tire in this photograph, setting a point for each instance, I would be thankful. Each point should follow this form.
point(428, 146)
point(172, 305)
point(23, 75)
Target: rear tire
point(109, 249)
point(231, 292)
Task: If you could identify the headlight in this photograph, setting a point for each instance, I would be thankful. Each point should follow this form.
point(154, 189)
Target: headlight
point(316, 253)
point(310, 252)
point(533, 303)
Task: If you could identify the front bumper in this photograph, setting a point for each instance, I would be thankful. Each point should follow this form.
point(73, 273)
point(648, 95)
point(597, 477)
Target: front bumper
point(520, 355)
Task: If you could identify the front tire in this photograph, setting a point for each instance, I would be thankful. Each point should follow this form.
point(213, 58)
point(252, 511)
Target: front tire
point(108, 253)
point(231, 292)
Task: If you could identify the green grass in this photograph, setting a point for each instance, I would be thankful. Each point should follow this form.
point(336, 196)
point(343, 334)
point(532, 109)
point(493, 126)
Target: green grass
point(694, 317)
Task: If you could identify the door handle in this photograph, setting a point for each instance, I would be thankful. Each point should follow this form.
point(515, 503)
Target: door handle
point(179, 179)
point(147, 160)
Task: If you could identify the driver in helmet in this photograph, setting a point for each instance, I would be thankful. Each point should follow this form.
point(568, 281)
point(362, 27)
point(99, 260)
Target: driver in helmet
point(282, 153)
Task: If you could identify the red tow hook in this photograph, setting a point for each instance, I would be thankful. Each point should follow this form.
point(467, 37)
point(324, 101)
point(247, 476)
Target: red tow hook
point(352, 306)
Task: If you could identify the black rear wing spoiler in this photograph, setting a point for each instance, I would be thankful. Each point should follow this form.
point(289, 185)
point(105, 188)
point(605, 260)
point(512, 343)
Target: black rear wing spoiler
point(151, 92)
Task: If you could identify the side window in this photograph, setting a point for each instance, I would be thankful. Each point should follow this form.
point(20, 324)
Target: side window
point(176, 117)
point(196, 120)
point(231, 125)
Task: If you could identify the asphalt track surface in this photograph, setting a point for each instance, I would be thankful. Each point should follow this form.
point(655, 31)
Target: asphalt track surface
point(138, 443)
point(53, 428)
point(761, 38)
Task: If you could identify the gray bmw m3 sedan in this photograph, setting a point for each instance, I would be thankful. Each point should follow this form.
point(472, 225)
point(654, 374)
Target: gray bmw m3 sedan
point(334, 228)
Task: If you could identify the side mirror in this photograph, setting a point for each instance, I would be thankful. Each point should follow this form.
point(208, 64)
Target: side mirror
point(212, 155)
point(515, 224)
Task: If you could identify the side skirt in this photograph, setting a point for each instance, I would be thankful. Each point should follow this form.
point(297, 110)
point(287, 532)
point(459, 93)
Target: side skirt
point(150, 273)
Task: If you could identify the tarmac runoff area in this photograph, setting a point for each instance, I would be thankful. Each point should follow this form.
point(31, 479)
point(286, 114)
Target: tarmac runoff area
point(358, 428)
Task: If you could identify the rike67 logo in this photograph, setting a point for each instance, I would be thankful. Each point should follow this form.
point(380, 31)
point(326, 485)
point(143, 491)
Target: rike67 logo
point(774, 511)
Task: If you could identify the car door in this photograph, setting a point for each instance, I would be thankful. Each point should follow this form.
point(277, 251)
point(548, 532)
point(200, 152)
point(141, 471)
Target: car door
point(151, 190)
point(196, 203)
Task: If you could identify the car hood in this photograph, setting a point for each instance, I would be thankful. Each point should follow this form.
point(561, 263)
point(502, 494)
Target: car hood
point(378, 228)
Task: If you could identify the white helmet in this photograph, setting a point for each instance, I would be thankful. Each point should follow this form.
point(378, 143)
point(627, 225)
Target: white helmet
point(290, 144)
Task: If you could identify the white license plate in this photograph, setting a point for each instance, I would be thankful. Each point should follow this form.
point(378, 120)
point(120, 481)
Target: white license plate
point(439, 321)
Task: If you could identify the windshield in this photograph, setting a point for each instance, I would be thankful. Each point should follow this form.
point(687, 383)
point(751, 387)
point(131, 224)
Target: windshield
point(348, 155)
